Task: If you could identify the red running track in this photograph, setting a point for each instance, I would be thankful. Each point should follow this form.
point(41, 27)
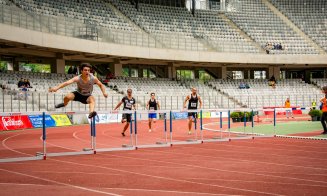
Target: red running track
point(265, 166)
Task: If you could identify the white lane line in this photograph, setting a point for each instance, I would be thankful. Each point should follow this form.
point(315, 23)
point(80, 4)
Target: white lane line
point(253, 181)
point(127, 189)
point(16, 151)
point(259, 154)
point(234, 159)
point(166, 178)
point(275, 149)
point(222, 170)
point(84, 173)
point(60, 183)
point(166, 191)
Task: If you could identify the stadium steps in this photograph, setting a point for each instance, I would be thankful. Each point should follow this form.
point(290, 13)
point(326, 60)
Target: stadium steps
point(128, 20)
point(235, 27)
point(30, 16)
point(231, 99)
point(288, 22)
point(207, 43)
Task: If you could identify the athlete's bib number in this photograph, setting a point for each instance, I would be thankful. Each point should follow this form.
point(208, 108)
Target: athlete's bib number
point(193, 104)
point(151, 108)
point(128, 105)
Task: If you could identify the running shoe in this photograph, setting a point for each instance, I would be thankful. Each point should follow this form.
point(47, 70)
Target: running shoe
point(92, 114)
point(60, 105)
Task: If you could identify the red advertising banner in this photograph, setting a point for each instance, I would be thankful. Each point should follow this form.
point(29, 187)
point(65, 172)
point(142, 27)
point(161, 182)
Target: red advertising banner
point(14, 123)
point(294, 111)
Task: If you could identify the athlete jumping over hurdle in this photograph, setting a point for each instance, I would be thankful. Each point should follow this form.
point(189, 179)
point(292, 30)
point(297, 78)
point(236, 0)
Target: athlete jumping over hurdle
point(193, 100)
point(152, 105)
point(84, 90)
point(129, 103)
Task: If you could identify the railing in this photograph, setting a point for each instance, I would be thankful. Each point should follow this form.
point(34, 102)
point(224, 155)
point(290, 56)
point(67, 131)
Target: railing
point(18, 101)
point(83, 30)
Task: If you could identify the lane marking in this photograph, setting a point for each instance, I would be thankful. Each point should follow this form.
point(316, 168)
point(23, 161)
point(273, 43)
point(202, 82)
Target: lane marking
point(59, 183)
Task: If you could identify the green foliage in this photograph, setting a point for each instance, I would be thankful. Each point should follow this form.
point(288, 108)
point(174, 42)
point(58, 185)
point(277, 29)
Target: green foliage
point(125, 72)
point(235, 115)
point(185, 74)
point(317, 113)
point(35, 68)
point(3, 65)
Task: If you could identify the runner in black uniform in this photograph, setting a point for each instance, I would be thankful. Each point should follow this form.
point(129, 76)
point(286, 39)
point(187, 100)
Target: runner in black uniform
point(152, 105)
point(193, 100)
point(129, 104)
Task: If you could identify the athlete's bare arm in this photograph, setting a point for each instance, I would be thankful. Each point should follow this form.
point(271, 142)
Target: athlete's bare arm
point(134, 106)
point(158, 105)
point(118, 105)
point(62, 85)
point(186, 99)
point(147, 105)
point(101, 86)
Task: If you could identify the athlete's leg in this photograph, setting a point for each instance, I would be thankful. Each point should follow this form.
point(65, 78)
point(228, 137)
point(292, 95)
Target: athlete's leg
point(91, 102)
point(190, 120)
point(69, 97)
point(150, 123)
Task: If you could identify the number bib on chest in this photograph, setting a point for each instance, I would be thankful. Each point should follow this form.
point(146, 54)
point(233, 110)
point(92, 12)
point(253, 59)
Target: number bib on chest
point(193, 104)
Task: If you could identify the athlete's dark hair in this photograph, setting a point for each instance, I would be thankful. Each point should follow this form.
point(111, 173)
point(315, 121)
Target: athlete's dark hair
point(85, 65)
point(152, 94)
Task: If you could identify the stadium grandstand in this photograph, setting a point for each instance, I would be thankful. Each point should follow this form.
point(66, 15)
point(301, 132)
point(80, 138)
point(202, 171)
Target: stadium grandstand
point(218, 44)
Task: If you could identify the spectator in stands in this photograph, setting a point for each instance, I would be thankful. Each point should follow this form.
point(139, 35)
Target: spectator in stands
point(72, 70)
point(313, 104)
point(83, 94)
point(20, 83)
point(242, 86)
point(324, 110)
point(288, 109)
point(272, 81)
point(27, 83)
point(247, 86)
point(110, 76)
point(23, 93)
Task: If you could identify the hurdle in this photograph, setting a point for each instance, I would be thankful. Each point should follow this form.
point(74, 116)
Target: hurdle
point(167, 141)
point(156, 144)
point(133, 124)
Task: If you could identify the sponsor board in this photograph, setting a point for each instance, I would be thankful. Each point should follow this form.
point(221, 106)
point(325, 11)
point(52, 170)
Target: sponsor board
point(14, 122)
point(206, 115)
point(180, 115)
point(36, 121)
point(106, 118)
point(61, 120)
point(217, 114)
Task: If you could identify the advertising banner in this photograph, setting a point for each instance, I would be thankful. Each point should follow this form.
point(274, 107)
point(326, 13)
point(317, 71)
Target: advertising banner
point(14, 122)
point(61, 120)
point(36, 121)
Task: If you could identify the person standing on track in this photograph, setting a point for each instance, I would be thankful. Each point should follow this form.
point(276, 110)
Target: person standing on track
point(129, 104)
point(324, 110)
point(193, 101)
point(152, 106)
point(288, 108)
point(84, 90)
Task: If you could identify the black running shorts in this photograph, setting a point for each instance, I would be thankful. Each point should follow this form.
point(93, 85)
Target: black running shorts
point(80, 98)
